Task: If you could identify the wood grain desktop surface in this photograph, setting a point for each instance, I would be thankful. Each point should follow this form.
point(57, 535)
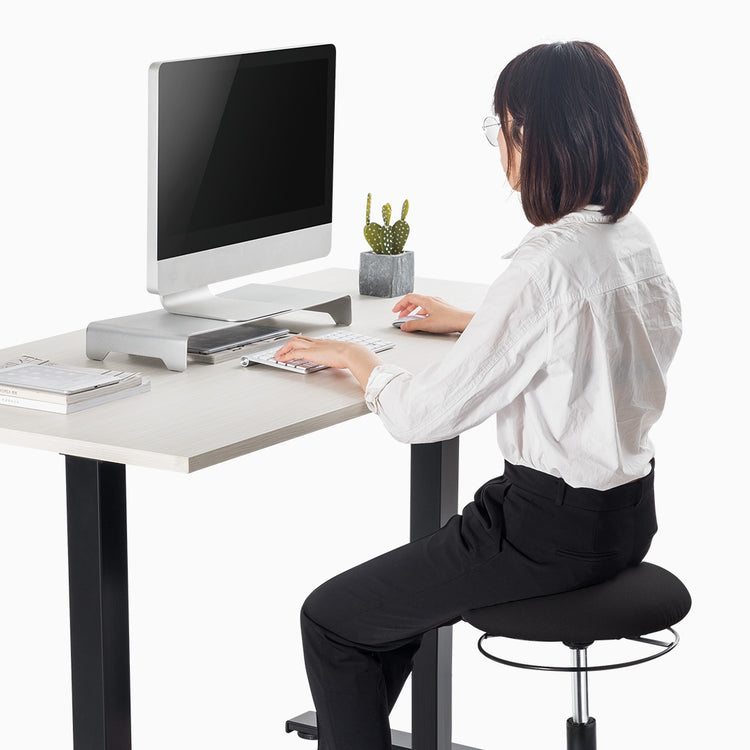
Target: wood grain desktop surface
point(211, 413)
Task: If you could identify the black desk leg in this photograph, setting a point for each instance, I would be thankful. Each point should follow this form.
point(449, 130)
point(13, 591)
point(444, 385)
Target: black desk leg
point(434, 499)
point(98, 581)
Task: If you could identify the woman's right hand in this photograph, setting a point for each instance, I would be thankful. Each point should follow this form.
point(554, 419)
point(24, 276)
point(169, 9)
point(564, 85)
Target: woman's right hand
point(441, 317)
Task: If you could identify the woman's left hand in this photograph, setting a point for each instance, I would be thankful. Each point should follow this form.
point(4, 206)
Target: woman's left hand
point(357, 358)
point(320, 351)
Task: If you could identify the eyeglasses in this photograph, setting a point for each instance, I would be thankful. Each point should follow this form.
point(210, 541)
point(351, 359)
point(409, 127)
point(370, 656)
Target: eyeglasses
point(491, 127)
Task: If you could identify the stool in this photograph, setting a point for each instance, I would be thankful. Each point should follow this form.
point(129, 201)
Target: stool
point(639, 600)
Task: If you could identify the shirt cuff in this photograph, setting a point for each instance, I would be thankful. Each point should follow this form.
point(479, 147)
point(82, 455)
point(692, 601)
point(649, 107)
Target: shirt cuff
point(379, 379)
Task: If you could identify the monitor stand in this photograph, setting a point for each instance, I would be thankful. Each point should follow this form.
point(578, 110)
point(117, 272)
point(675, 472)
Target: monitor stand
point(163, 334)
point(251, 302)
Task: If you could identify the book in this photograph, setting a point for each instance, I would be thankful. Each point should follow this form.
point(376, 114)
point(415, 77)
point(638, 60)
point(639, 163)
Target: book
point(29, 403)
point(33, 383)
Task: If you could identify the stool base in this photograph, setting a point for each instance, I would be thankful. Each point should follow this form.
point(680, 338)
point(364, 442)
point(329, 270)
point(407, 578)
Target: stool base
point(582, 736)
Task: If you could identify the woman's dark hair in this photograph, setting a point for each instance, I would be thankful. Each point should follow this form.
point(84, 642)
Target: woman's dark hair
point(580, 140)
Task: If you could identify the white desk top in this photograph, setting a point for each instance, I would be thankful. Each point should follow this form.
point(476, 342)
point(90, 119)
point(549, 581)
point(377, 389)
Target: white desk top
point(211, 413)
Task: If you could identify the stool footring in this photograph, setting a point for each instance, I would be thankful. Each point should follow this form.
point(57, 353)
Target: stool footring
point(582, 736)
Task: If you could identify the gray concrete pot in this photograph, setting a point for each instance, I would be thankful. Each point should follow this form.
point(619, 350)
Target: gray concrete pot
point(386, 275)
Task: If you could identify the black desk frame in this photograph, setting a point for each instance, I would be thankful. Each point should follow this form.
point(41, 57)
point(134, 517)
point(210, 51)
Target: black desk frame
point(98, 579)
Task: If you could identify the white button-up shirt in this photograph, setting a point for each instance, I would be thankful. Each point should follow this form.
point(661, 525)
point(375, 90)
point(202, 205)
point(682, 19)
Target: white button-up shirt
point(569, 349)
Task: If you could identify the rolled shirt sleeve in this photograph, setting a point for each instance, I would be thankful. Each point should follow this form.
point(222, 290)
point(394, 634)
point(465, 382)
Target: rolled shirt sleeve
point(502, 349)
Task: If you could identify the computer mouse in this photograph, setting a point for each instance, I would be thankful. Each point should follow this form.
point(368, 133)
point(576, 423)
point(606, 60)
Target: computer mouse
point(399, 321)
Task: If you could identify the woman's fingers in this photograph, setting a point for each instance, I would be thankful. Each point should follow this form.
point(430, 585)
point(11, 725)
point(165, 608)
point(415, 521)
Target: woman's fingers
point(297, 342)
point(425, 324)
point(412, 301)
point(408, 310)
point(406, 305)
point(321, 351)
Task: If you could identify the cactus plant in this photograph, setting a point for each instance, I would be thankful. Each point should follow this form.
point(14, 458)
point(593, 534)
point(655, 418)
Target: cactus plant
point(387, 239)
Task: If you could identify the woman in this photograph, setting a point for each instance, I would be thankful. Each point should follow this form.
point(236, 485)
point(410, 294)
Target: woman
point(569, 349)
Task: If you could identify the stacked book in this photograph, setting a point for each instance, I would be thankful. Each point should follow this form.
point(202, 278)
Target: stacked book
point(33, 383)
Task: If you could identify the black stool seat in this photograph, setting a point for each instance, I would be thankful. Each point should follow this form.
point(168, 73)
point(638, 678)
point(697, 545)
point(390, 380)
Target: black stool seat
point(639, 600)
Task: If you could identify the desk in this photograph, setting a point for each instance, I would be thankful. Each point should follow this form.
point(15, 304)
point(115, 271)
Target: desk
point(198, 418)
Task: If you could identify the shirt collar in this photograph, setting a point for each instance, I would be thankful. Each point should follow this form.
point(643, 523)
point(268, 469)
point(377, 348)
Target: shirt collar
point(588, 214)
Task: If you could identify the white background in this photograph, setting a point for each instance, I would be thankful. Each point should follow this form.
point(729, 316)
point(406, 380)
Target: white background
point(221, 560)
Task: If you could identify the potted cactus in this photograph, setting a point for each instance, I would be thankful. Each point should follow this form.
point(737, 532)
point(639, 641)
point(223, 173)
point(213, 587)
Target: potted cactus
point(386, 270)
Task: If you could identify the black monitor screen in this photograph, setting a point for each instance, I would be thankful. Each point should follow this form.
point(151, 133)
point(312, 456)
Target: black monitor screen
point(245, 147)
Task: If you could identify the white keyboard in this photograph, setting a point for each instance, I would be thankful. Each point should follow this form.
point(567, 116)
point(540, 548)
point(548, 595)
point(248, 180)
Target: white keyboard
point(265, 356)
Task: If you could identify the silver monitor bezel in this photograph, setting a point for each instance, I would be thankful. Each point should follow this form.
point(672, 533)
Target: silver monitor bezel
point(198, 269)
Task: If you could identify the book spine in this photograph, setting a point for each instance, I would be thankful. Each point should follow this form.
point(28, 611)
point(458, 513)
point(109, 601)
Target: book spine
point(30, 403)
point(11, 391)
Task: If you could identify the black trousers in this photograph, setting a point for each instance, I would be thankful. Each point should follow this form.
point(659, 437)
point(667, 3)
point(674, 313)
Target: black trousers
point(525, 534)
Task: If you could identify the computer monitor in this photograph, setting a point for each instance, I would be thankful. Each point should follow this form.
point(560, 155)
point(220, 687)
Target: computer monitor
point(240, 175)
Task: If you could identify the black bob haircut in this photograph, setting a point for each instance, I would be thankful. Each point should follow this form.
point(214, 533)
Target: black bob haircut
point(565, 105)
